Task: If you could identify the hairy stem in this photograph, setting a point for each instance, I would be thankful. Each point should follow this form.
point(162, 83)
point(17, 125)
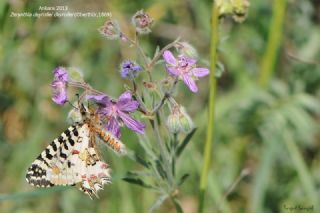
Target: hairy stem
point(155, 59)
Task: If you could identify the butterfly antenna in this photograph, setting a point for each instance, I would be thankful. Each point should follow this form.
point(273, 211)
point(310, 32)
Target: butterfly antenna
point(72, 105)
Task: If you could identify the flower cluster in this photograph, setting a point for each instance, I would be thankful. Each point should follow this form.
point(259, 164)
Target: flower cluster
point(152, 95)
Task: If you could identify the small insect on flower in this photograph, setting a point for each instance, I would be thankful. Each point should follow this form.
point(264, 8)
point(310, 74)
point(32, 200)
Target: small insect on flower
point(72, 159)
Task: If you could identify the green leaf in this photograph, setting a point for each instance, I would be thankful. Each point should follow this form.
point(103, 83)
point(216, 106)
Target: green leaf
point(138, 159)
point(138, 173)
point(220, 69)
point(160, 169)
point(157, 51)
point(158, 203)
point(183, 178)
point(185, 142)
point(160, 61)
point(137, 181)
point(177, 205)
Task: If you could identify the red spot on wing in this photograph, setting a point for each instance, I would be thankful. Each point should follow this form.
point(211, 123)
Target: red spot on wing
point(104, 166)
point(93, 177)
point(75, 152)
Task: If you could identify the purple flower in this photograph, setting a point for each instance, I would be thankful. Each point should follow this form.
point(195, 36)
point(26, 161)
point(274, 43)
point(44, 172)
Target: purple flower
point(185, 69)
point(59, 86)
point(116, 113)
point(129, 69)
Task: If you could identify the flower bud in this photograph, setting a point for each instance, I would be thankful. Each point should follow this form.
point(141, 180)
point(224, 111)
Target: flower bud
point(238, 9)
point(75, 74)
point(173, 123)
point(179, 120)
point(186, 123)
point(142, 22)
point(111, 30)
point(186, 49)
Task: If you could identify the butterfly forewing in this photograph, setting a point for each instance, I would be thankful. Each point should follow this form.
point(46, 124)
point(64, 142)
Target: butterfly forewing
point(56, 164)
point(70, 159)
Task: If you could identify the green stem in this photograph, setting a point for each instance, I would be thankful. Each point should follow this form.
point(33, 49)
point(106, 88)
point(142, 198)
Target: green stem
point(210, 129)
point(274, 42)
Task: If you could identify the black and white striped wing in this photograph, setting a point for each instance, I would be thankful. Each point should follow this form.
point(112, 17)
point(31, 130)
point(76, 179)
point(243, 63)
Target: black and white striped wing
point(69, 160)
point(55, 165)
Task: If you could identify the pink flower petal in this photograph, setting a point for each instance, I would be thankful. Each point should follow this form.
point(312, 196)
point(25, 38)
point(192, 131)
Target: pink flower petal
point(169, 58)
point(113, 126)
point(125, 95)
point(200, 72)
point(190, 83)
point(127, 105)
point(132, 123)
point(60, 95)
point(172, 71)
point(100, 99)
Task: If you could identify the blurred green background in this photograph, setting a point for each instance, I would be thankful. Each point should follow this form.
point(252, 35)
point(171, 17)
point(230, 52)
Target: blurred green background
point(270, 131)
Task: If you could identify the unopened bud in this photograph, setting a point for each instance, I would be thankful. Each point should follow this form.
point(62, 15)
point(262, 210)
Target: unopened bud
point(238, 9)
point(185, 121)
point(142, 22)
point(186, 49)
point(173, 123)
point(179, 120)
point(110, 30)
point(75, 74)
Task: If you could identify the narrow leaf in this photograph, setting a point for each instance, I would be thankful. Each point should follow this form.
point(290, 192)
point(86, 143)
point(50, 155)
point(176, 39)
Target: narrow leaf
point(137, 181)
point(138, 173)
point(158, 203)
point(138, 159)
point(183, 178)
point(185, 142)
point(161, 170)
point(177, 205)
point(157, 51)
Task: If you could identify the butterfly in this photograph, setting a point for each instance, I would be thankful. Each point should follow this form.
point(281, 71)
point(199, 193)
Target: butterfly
point(72, 159)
